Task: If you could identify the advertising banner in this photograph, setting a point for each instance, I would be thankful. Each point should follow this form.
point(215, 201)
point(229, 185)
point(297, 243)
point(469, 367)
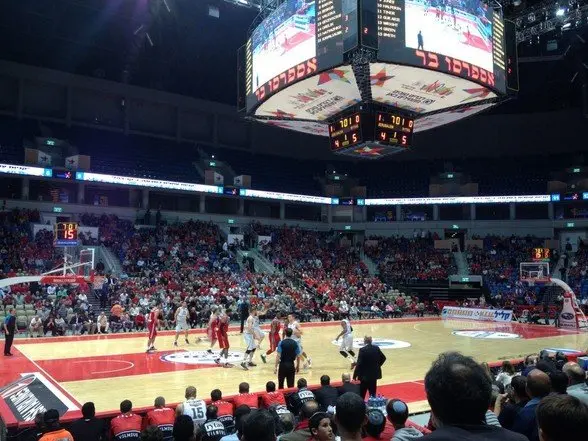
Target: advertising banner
point(484, 315)
point(31, 394)
point(315, 99)
point(567, 317)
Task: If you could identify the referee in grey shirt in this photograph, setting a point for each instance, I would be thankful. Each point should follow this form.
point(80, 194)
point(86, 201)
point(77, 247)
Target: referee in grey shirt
point(287, 353)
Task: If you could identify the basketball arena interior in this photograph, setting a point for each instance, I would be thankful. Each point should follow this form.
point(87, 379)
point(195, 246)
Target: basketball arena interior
point(297, 219)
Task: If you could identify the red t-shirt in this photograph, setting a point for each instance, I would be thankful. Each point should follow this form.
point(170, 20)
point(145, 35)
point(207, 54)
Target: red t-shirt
point(126, 426)
point(163, 418)
point(250, 400)
point(271, 398)
point(224, 407)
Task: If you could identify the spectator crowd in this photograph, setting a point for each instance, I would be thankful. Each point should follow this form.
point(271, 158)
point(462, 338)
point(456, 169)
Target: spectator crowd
point(547, 400)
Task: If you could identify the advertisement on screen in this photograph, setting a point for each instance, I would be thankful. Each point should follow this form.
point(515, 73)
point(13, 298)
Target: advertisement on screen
point(286, 38)
point(314, 99)
point(460, 29)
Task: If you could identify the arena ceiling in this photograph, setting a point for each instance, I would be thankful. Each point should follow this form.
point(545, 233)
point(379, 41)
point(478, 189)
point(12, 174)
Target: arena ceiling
point(190, 47)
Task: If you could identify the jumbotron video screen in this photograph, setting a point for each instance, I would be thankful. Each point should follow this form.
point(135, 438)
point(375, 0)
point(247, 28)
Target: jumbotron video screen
point(432, 62)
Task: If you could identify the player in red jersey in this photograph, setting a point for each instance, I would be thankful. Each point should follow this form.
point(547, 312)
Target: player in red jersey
point(222, 334)
point(272, 397)
point(212, 329)
point(161, 417)
point(274, 335)
point(152, 321)
point(225, 409)
point(126, 426)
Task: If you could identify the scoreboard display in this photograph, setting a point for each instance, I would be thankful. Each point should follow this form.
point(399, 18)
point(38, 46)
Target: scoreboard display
point(394, 129)
point(541, 254)
point(65, 234)
point(465, 39)
point(298, 39)
point(346, 132)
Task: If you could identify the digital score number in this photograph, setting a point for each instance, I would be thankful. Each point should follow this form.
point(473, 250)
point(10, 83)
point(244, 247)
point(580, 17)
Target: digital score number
point(393, 129)
point(345, 132)
point(66, 234)
point(541, 254)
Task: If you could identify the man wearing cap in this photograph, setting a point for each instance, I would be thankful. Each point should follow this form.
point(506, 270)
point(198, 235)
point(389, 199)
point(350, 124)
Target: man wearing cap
point(53, 430)
point(397, 412)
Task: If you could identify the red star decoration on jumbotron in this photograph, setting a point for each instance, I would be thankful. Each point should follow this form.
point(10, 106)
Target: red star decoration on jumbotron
point(333, 74)
point(369, 151)
point(281, 114)
point(379, 79)
point(476, 93)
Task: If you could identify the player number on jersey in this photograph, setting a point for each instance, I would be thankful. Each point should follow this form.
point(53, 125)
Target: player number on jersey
point(197, 413)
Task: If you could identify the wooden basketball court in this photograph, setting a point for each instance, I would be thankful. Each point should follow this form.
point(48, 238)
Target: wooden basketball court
point(107, 369)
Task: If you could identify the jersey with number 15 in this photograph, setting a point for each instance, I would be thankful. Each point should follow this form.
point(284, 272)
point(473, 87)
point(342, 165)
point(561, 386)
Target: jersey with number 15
point(195, 409)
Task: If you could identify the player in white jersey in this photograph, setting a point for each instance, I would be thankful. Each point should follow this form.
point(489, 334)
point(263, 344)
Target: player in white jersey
point(294, 325)
point(250, 342)
point(346, 348)
point(258, 334)
point(181, 320)
point(193, 407)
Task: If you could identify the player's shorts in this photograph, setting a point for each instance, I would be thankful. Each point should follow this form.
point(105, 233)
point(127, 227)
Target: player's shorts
point(182, 326)
point(223, 340)
point(346, 343)
point(211, 332)
point(152, 331)
point(300, 345)
point(274, 340)
point(258, 334)
point(250, 342)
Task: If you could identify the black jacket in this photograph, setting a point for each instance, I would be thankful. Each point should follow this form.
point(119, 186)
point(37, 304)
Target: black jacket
point(326, 396)
point(369, 363)
point(91, 429)
point(474, 433)
point(348, 387)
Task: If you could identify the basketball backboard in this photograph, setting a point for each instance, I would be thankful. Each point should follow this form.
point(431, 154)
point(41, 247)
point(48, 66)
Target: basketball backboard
point(534, 272)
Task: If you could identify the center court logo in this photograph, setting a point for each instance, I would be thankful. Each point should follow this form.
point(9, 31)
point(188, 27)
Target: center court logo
point(200, 357)
point(383, 343)
point(487, 335)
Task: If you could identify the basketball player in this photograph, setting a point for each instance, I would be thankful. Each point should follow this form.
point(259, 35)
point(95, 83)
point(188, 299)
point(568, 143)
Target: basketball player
point(181, 320)
point(223, 339)
point(152, 321)
point(212, 329)
point(294, 325)
point(274, 336)
point(258, 334)
point(250, 342)
point(346, 348)
point(193, 407)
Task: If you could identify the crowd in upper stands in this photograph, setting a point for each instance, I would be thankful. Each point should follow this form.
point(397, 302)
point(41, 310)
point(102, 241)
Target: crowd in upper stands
point(406, 260)
point(544, 398)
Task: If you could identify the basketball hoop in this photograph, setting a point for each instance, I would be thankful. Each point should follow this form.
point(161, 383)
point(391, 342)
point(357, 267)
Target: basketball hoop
point(534, 273)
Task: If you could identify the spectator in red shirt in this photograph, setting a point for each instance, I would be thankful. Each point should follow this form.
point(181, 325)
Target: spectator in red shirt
point(140, 322)
point(126, 426)
point(272, 397)
point(245, 397)
point(161, 417)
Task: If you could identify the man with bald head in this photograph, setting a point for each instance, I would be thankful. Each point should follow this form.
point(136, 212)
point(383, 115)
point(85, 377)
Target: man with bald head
point(301, 431)
point(538, 387)
point(368, 369)
point(347, 385)
point(577, 376)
